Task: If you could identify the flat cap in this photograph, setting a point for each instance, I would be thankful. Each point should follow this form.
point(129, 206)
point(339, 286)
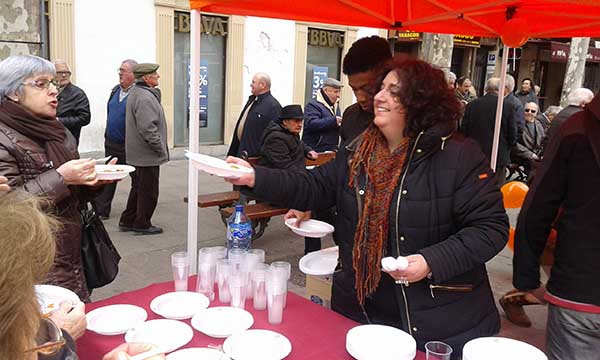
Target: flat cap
point(142, 69)
point(331, 82)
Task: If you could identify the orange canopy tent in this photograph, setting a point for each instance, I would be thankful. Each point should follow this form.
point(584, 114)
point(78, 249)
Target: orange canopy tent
point(512, 20)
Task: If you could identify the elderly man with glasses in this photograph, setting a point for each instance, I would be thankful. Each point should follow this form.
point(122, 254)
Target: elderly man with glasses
point(529, 147)
point(73, 106)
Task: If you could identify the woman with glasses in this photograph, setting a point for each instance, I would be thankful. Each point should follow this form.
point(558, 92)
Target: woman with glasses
point(407, 186)
point(38, 155)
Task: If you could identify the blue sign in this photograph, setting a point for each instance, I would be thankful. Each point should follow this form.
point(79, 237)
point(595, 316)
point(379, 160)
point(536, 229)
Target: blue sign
point(203, 93)
point(319, 75)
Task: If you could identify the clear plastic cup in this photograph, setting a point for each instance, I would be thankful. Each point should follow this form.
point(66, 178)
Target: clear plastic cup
point(237, 288)
point(222, 277)
point(276, 287)
point(235, 257)
point(205, 283)
point(437, 350)
point(259, 286)
point(249, 262)
point(180, 263)
point(219, 251)
point(284, 269)
point(260, 253)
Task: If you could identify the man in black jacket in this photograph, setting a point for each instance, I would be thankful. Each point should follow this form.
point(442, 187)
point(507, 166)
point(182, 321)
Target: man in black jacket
point(478, 123)
point(73, 109)
point(260, 109)
point(567, 180)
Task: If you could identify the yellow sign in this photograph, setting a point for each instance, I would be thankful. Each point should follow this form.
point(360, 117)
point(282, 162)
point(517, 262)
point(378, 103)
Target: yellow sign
point(467, 40)
point(325, 38)
point(211, 25)
point(405, 35)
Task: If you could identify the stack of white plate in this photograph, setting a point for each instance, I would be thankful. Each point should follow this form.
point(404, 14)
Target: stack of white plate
point(380, 342)
point(115, 319)
point(257, 345)
point(179, 305)
point(222, 321)
point(320, 263)
point(499, 348)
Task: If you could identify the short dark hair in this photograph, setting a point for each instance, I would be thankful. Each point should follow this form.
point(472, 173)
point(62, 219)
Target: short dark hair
point(365, 54)
point(461, 80)
point(425, 94)
point(530, 82)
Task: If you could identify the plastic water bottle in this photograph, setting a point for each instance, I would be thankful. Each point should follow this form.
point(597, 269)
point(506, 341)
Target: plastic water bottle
point(239, 230)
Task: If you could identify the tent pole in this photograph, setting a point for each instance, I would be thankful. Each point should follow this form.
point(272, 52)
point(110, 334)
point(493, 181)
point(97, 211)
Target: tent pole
point(194, 136)
point(498, 123)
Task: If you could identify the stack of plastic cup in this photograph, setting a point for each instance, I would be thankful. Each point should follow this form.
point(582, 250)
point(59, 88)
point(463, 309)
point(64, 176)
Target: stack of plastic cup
point(219, 251)
point(222, 277)
point(286, 268)
point(237, 288)
point(235, 257)
point(206, 272)
point(276, 286)
point(249, 262)
point(260, 253)
point(259, 288)
point(181, 270)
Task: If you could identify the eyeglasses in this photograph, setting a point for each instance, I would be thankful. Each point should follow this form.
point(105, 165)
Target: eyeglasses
point(42, 84)
point(123, 71)
point(531, 111)
point(63, 73)
point(49, 338)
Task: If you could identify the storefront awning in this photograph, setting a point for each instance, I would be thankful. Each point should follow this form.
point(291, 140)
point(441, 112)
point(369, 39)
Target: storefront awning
point(559, 52)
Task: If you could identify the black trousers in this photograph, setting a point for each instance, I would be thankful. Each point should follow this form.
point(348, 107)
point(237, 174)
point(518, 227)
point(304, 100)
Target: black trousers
point(143, 197)
point(103, 202)
point(328, 216)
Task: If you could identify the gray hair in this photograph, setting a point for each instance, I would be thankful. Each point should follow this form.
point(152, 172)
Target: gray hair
point(509, 83)
point(492, 85)
point(62, 62)
point(553, 109)
point(450, 76)
point(580, 96)
point(14, 70)
point(130, 62)
point(264, 77)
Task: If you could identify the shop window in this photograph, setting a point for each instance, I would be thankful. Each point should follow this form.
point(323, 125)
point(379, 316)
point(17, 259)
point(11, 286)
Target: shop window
point(323, 59)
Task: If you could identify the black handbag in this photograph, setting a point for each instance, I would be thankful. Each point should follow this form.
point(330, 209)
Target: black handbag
point(99, 255)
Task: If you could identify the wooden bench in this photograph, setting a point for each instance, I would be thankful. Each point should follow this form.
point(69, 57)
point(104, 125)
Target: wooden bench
point(220, 199)
point(259, 213)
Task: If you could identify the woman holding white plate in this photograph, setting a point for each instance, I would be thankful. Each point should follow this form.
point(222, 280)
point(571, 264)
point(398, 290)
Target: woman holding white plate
point(407, 186)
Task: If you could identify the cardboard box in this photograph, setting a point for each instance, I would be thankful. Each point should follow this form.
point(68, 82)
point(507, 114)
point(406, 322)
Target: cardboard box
point(318, 289)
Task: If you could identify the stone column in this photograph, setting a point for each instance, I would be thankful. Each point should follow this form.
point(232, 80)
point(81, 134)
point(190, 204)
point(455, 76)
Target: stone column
point(436, 49)
point(575, 67)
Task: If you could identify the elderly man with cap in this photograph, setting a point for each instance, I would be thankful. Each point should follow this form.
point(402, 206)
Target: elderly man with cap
point(146, 149)
point(73, 109)
point(321, 131)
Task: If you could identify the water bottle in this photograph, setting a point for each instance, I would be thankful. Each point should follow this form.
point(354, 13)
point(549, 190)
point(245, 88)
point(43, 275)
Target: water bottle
point(239, 230)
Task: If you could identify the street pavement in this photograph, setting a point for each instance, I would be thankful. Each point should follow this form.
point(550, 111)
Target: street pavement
point(146, 259)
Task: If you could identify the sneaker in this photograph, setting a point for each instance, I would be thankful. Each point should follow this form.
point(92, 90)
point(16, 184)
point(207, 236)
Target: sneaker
point(152, 230)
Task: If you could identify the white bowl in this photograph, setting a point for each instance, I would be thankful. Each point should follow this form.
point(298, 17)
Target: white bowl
point(310, 228)
point(113, 172)
point(380, 342)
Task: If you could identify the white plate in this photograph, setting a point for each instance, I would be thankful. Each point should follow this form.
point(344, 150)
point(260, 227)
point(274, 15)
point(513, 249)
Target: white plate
point(113, 172)
point(115, 319)
point(168, 335)
point(222, 321)
point(366, 342)
point(494, 348)
point(216, 166)
point(310, 228)
point(197, 354)
point(322, 262)
point(50, 296)
point(257, 345)
point(179, 305)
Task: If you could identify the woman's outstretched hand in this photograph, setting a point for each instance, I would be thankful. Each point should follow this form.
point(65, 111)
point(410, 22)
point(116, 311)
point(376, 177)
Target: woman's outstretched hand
point(246, 179)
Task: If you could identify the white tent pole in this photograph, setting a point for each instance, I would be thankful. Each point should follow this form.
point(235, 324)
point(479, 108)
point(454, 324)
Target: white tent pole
point(498, 123)
point(192, 238)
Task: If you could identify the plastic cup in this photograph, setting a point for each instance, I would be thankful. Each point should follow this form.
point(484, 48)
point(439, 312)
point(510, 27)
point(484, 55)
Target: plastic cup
point(205, 284)
point(237, 289)
point(260, 253)
point(249, 262)
point(222, 277)
point(180, 264)
point(219, 251)
point(437, 350)
point(235, 257)
point(276, 287)
point(259, 286)
point(285, 268)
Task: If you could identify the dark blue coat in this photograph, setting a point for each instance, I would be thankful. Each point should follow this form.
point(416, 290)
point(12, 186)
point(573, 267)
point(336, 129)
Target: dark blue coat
point(321, 131)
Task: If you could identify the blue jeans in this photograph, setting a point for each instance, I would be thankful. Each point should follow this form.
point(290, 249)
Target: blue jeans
point(572, 334)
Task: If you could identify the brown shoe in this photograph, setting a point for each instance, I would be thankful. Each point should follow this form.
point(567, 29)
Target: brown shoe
point(515, 313)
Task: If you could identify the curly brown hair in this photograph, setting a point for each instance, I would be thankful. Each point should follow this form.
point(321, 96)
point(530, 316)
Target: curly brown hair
point(424, 92)
point(28, 248)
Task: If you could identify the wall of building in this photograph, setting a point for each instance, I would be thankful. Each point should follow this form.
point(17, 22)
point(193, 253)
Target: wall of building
point(106, 33)
point(20, 30)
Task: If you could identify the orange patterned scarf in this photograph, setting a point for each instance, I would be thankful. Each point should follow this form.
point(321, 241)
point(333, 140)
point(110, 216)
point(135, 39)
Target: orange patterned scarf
point(383, 173)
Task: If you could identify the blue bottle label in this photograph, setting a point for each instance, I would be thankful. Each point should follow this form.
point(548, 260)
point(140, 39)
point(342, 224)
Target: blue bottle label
point(239, 235)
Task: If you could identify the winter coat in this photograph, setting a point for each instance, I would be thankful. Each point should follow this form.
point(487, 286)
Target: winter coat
point(354, 121)
point(73, 109)
point(478, 123)
point(321, 130)
point(530, 143)
point(558, 120)
point(281, 149)
point(446, 207)
point(526, 97)
point(145, 127)
point(568, 178)
point(265, 108)
point(27, 166)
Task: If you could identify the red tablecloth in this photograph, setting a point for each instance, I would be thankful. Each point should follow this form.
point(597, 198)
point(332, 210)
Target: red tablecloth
point(315, 332)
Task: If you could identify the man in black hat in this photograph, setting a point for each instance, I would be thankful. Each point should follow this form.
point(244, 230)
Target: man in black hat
point(323, 118)
point(281, 145)
point(146, 148)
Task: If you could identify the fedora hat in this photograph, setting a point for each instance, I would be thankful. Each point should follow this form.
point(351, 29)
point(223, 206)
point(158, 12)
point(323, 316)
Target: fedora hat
point(291, 112)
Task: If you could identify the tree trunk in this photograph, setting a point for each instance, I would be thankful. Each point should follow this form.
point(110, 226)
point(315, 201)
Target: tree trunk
point(436, 49)
point(575, 67)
